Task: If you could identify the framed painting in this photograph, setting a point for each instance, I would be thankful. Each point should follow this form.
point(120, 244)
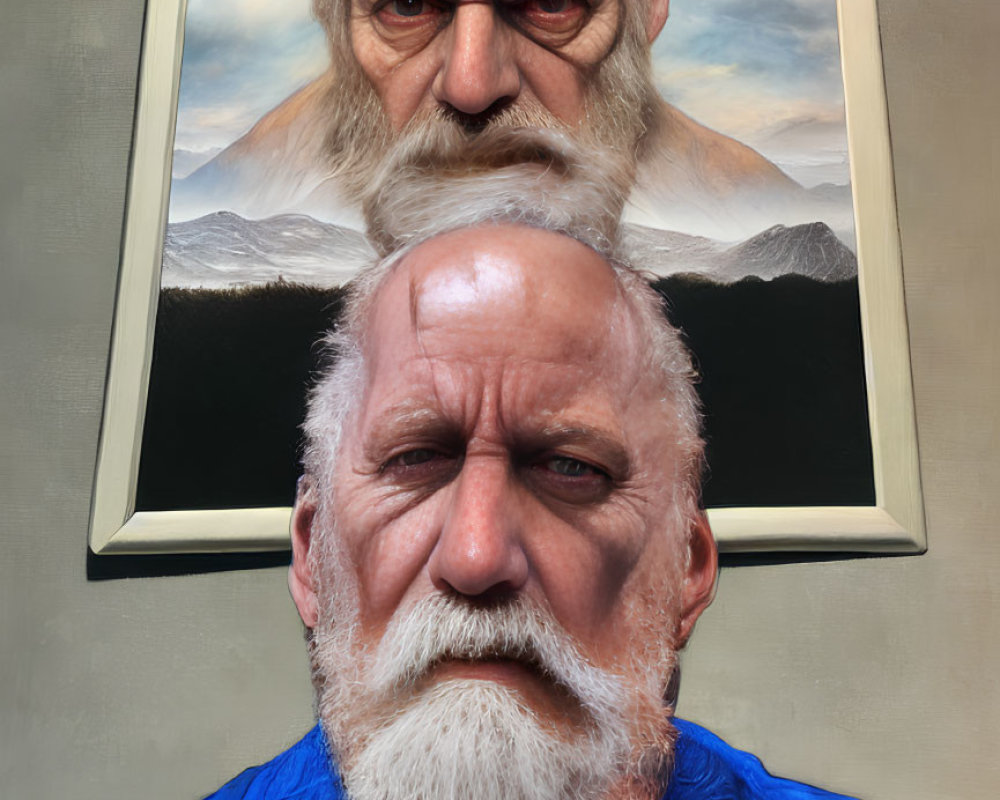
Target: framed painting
point(233, 263)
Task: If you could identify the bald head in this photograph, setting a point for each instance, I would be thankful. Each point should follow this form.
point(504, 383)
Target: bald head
point(500, 288)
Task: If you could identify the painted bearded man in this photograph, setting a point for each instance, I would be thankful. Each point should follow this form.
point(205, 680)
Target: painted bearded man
point(498, 549)
point(406, 74)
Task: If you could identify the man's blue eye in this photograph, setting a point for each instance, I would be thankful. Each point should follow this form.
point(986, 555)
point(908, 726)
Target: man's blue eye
point(571, 467)
point(413, 458)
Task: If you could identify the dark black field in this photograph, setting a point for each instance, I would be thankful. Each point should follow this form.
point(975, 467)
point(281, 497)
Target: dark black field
point(782, 384)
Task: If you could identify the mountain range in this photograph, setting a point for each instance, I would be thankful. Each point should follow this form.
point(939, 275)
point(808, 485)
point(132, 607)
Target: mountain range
point(811, 249)
point(223, 250)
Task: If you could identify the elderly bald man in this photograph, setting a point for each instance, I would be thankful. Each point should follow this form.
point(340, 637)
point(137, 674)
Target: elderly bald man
point(498, 549)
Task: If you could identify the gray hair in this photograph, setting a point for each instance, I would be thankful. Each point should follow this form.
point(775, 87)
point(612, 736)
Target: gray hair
point(341, 382)
point(529, 176)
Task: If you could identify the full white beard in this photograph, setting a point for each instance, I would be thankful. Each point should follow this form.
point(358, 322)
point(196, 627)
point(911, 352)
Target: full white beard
point(468, 739)
point(474, 740)
point(618, 110)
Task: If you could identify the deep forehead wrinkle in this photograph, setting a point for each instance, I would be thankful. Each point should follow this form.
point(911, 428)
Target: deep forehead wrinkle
point(418, 417)
point(476, 278)
point(522, 284)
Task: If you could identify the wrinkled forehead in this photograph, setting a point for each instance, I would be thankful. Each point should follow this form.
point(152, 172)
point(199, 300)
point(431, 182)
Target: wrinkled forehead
point(503, 290)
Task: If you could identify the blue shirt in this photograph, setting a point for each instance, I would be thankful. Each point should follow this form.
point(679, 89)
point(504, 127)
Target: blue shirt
point(705, 768)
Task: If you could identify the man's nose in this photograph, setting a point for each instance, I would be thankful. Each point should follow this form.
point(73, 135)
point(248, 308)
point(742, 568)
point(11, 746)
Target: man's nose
point(479, 68)
point(479, 551)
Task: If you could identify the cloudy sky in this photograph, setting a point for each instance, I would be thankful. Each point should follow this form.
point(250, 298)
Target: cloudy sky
point(764, 71)
point(241, 58)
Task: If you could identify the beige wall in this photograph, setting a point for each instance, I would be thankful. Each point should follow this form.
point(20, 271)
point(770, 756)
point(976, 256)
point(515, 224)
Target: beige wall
point(875, 676)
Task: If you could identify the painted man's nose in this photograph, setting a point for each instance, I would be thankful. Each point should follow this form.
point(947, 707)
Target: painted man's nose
point(479, 550)
point(479, 69)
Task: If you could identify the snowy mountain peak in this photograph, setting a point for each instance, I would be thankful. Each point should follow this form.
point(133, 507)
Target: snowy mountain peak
point(811, 249)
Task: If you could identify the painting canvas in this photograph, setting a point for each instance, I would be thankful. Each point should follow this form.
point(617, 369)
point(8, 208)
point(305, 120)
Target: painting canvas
point(259, 242)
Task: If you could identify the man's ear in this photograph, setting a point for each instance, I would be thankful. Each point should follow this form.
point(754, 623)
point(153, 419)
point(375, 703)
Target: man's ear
point(656, 16)
point(698, 588)
point(300, 577)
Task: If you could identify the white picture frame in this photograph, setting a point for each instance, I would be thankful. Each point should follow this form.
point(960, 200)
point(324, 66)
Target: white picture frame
point(895, 524)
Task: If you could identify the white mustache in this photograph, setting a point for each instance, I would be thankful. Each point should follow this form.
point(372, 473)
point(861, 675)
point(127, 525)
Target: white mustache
point(438, 148)
point(534, 176)
point(442, 628)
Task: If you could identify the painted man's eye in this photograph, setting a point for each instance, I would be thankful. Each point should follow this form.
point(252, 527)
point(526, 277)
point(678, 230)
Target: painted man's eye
point(405, 14)
point(402, 12)
point(554, 6)
point(407, 8)
point(551, 22)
